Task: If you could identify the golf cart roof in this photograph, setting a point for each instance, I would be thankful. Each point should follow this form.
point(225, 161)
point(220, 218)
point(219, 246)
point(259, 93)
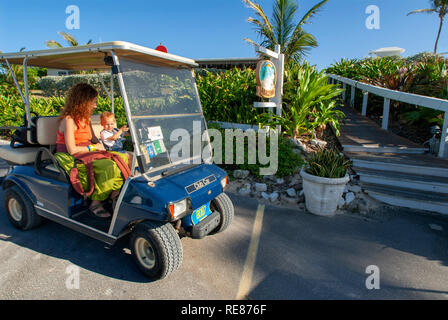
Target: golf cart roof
point(91, 56)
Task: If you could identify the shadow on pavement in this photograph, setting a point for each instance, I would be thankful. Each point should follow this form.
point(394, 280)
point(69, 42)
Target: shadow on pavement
point(302, 256)
point(57, 241)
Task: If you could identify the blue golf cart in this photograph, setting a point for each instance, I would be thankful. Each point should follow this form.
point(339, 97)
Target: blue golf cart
point(174, 189)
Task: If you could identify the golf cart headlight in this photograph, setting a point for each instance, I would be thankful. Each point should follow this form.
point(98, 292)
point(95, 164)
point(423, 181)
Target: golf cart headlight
point(224, 182)
point(178, 208)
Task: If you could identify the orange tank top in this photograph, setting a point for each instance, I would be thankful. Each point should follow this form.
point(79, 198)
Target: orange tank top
point(83, 134)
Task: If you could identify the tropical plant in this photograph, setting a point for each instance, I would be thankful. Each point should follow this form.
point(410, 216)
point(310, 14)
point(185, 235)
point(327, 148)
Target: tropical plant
point(389, 72)
point(441, 8)
point(288, 160)
point(282, 29)
point(309, 101)
point(327, 164)
point(424, 73)
point(348, 68)
point(229, 96)
point(71, 40)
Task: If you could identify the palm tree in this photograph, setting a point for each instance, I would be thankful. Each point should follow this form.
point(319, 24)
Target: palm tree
point(68, 37)
point(441, 8)
point(282, 30)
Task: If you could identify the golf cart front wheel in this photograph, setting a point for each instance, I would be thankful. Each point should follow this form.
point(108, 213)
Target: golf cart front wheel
point(156, 249)
point(20, 209)
point(224, 206)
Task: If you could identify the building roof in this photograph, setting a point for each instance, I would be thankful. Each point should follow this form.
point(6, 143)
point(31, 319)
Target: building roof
point(390, 51)
point(227, 63)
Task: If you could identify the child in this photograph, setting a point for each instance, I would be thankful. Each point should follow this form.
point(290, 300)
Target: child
point(111, 136)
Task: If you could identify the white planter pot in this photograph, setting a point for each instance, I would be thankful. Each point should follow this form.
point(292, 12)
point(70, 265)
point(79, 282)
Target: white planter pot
point(322, 194)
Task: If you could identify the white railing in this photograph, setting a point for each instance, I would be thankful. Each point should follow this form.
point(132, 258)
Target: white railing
point(388, 95)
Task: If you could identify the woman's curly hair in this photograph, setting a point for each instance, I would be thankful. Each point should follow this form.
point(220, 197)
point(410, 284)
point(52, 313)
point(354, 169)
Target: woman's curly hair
point(77, 102)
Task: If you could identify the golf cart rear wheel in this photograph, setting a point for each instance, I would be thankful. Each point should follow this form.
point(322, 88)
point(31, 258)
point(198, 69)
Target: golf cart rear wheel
point(156, 249)
point(20, 209)
point(224, 206)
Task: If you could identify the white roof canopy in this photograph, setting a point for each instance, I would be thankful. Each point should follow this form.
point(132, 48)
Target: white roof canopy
point(91, 56)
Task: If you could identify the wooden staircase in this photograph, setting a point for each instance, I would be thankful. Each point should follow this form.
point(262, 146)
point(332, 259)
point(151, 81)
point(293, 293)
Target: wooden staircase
point(401, 180)
point(392, 169)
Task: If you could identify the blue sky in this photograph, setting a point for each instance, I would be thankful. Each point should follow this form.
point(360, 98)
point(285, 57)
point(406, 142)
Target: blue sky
point(216, 28)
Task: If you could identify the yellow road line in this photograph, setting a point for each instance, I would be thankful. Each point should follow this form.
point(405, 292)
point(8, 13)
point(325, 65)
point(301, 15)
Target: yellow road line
point(246, 278)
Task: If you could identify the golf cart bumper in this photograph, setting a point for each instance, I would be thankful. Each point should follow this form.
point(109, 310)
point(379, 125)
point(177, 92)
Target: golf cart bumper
point(206, 226)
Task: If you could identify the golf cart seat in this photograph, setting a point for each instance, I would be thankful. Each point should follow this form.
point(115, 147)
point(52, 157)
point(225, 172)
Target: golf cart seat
point(46, 128)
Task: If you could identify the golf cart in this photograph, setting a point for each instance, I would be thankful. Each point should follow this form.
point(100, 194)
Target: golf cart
point(166, 197)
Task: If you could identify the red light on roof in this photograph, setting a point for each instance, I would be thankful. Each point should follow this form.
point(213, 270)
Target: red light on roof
point(162, 48)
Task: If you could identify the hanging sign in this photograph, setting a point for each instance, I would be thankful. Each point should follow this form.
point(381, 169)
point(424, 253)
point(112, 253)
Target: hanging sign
point(266, 79)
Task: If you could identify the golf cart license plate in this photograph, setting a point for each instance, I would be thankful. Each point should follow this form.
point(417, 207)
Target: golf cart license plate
point(200, 214)
point(200, 184)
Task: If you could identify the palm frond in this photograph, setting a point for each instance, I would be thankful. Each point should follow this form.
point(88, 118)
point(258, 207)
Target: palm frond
point(69, 38)
point(259, 11)
point(53, 44)
point(312, 12)
point(283, 20)
point(300, 45)
point(262, 29)
point(251, 42)
point(282, 30)
point(422, 11)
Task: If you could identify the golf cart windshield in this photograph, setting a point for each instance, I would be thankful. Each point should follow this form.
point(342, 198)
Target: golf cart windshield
point(165, 115)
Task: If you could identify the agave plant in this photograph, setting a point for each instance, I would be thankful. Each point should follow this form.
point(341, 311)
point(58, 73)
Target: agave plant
point(327, 164)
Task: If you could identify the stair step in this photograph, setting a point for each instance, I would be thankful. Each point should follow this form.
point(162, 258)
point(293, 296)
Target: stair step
point(403, 197)
point(408, 180)
point(408, 168)
point(383, 149)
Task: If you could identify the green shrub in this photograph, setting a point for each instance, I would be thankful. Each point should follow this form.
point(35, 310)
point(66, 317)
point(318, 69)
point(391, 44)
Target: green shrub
point(288, 160)
point(424, 74)
point(12, 108)
point(59, 85)
point(229, 96)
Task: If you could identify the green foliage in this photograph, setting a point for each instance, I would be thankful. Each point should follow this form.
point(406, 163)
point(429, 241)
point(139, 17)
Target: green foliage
point(12, 108)
point(59, 86)
point(310, 103)
point(7, 81)
point(348, 68)
point(424, 74)
point(288, 160)
point(283, 29)
point(229, 96)
point(327, 164)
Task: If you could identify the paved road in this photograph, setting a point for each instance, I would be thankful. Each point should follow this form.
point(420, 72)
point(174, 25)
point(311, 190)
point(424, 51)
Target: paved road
point(298, 256)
